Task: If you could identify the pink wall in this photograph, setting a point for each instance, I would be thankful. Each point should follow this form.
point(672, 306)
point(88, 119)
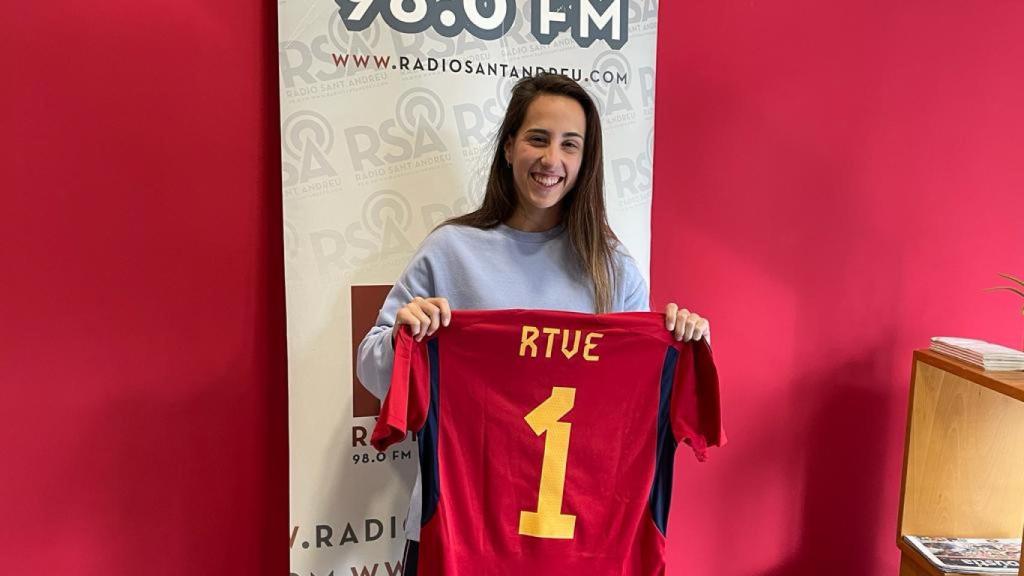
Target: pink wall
point(144, 411)
point(836, 182)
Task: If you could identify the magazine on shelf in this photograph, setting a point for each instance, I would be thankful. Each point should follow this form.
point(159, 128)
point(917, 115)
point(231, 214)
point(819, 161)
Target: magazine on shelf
point(986, 355)
point(970, 555)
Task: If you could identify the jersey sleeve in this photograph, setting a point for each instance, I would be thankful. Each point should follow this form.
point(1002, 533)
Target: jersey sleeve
point(405, 406)
point(695, 406)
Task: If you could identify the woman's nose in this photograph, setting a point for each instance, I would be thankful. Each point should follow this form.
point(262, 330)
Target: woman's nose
point(550, 157)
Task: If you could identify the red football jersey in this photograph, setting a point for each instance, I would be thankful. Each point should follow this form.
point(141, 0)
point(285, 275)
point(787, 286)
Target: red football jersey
point(546, 439)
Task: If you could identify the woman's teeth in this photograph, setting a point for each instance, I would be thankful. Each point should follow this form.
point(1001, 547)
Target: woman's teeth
point(546, 180)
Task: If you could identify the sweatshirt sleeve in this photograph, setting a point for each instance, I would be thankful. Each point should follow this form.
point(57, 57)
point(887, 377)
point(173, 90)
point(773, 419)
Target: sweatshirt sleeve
point(632, 294)
point(376, 354)
point(639, 297)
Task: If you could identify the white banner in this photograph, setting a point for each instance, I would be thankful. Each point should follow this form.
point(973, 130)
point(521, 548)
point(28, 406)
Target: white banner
point(388, 109)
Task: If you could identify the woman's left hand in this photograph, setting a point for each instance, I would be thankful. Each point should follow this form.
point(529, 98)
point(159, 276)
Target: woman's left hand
point(686, 325)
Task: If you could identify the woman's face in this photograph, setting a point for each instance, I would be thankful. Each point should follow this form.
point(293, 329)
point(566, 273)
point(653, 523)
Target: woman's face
point(545, 155)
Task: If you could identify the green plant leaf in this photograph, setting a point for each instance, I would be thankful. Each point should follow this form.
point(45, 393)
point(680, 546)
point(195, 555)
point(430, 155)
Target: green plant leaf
point(1012, 279)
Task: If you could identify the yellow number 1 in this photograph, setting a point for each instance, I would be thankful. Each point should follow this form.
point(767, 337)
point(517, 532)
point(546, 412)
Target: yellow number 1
point(548, 521)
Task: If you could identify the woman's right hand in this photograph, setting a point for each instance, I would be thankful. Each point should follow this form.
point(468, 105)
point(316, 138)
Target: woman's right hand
point(424, 316)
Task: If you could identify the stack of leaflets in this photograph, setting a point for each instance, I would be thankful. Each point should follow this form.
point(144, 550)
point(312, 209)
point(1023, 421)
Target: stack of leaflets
point(970, 555)
point(980, 353)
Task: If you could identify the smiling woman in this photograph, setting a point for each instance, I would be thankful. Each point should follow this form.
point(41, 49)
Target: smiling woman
point(540, 240)
point(548, 170)
point(545, 158)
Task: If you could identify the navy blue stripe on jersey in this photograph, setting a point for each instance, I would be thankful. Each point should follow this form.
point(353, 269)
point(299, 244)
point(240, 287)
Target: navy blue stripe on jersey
point(428, 440)
point(661, 487)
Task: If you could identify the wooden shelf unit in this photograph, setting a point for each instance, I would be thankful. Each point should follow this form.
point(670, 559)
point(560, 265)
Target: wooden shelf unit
point(963, 464)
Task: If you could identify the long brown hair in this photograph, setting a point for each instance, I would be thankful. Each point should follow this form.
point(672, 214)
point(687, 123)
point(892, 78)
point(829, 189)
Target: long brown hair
point(582, 208)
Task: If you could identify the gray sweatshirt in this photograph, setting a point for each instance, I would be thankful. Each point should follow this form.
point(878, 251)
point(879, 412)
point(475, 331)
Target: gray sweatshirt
point(489, 270)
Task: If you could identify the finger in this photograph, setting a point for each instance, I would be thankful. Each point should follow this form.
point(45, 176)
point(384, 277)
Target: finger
point(424, 322)
point(690, 327)
point(446, 311)
point(434, 313)
point(680, 326)
point(670, 315)
point(424, 325)
point(704, 328)
point(407, 318)
point(690, 332)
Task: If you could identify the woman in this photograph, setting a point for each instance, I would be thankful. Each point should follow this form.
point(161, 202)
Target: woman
point(540, 240)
